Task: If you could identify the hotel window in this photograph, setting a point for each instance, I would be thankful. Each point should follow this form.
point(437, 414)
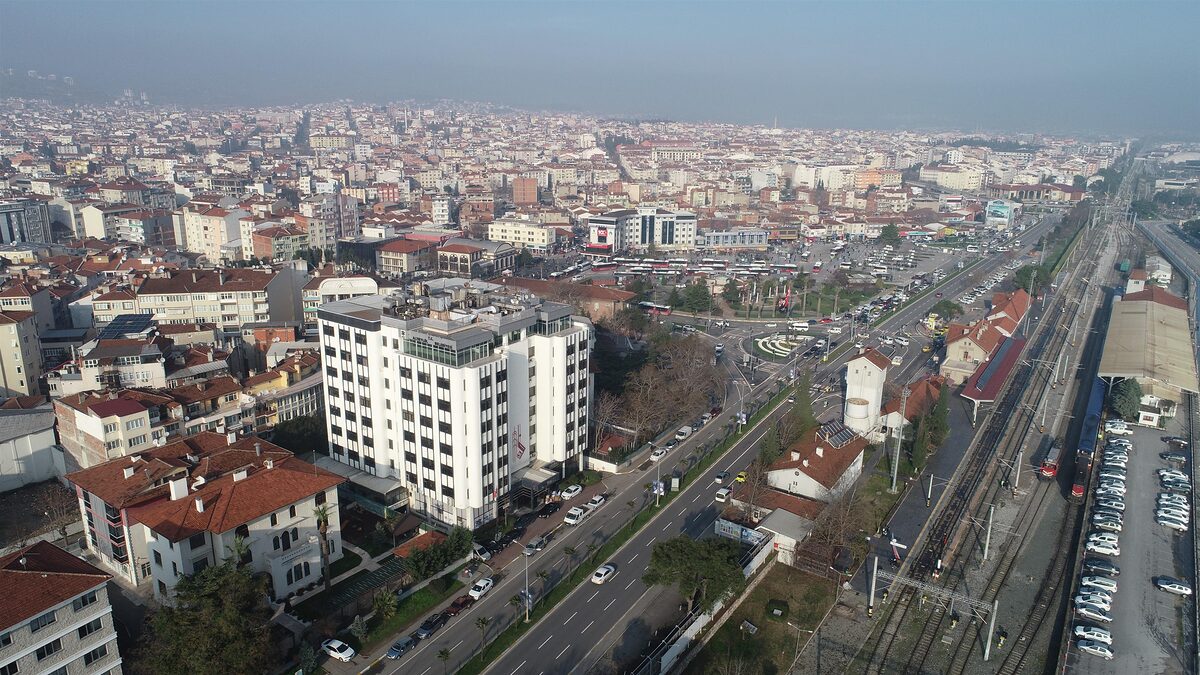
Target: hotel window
point(42, 621)
point(84, 600)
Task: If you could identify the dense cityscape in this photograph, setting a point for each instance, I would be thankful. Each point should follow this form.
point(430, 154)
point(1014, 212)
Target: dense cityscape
point(434, 385)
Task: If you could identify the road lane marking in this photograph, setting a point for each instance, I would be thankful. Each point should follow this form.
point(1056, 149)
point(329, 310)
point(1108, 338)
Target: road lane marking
point(549, 638)
point(610, 602)
point(589, 625)
point(518, 668)
point(633, 558)
point(666, 526)
point(631, 582)
point(426, 670)
point(456, 646)
point(564, 651)
point(594, 595)
point(652, 539)
point(569, 619)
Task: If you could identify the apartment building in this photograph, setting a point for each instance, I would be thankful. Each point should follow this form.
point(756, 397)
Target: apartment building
point(277, 243)
point(228, 298)
point(463, 395)
point(524, 232)
point(329, 217)
point(145, 227)
point(287, 391)
point(56, 614)
point(123, 360)
point(320, 290)
point(20, 354)
point(26, 297)
point(212, 231)
point(158, 515)
point(640, 229)
point(525, 191)
point(24, 220)
point(95, 427)
point(475, 258)
point(404, 256)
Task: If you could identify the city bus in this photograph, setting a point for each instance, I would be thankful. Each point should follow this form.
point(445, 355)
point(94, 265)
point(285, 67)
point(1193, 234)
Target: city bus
point(655, 310)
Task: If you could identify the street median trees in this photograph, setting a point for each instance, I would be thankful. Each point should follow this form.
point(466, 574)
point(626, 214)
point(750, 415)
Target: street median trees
point(704, 571)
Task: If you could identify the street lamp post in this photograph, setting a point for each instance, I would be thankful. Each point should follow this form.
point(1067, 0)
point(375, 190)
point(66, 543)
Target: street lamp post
point(525, 600)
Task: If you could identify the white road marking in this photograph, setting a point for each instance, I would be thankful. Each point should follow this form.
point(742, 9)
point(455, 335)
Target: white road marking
point(564, 651)
point(426, 670)
point(518, 668)
point(594, 595)
point(633, 558)
point(610, 602)
point(569, 619)
point(456, 646)
point(631, 581)
point(666, 526)
point(652, 539)
point(589, 625)
point(551, 637)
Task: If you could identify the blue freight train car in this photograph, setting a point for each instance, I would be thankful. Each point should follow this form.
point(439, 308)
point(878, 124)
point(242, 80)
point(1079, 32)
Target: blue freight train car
point(1089, 434)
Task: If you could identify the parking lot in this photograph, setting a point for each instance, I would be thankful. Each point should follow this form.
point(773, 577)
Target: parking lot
point(1151, 632)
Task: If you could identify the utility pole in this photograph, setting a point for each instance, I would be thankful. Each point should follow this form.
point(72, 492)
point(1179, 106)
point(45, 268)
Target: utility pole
point(1016, 481)
point(987, 536)
point(929, 492)
point(871, 596)
point(526, 598)
point(987, 642)
point(896, 453)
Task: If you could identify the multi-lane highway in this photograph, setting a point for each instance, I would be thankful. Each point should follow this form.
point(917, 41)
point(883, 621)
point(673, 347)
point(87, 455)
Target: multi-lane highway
point(584, 625)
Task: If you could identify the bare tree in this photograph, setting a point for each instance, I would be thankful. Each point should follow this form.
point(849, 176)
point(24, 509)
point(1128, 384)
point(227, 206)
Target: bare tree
point(59, 506)
point(643, 409)
point(839, 521)
point(756, 484)
point(605, 411)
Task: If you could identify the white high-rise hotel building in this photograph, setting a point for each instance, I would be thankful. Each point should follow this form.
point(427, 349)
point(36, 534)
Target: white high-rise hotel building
point(455, 391)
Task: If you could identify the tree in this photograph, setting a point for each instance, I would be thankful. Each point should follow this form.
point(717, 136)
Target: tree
point(889, 234)
point(218, 624)
point(1030, 277)
point(697, 298)
point(939, 418)
point(769, 449)
point(444, 656)
point(482, 623)
point(384, 603)
point(321, 513)
point(946, 309)
point(59, 507)
point(675, 299)
point(308, 659)
point(544, 577)
point(569, 553)
point(1126, 398)
point(704, 570)
point(1079, 181)
point(358, 628)
point(732, 293)
point(302, 435)
point(801, 419)
point(840, 280)
point(524, 258)
point(920, 444)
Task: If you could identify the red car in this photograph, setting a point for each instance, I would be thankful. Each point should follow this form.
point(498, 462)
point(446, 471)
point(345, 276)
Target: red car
point(826, 319)
point(460, 604)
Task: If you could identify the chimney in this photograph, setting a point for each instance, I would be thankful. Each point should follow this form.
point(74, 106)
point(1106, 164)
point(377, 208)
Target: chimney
point(129, 471)
point(257, 449)
point(210, 356)
point(199, 505)
point(270, 464)
point(820, 451)
point(240, 474)
point(194, 279)
point(178, 488)
point(795, 455)
point(231, 437)
point(221, 277)
point(805, 463)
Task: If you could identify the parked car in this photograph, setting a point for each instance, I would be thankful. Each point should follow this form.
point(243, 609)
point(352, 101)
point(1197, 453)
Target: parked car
point(481, 588)
point(1172, 585)
point(595, 502)
point(338, 650)
point(721, 477)
point(401, 647)
point(571, 492)
point(658, 454)
point(431, 626)
point(538, 543)
point(1103, 583)
point(1094, 613)
point(1096, 649)
point(1173, 457)
point(460, 604)
point(548, 509)
point(1093, 633)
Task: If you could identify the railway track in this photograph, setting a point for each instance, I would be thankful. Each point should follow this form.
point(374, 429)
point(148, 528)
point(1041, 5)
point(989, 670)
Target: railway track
point(950, 530)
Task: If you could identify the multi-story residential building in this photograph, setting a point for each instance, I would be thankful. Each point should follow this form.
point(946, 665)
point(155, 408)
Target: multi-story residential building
point(172, 511)
point(20, 354)
point(525, 191)
point(524, 232)
point(56, 614)
point(287, 391)
point(225, 297)
point(329, 217)
point(736, 238)
point(26, 219)
point(461, 395)
point(277, 243)
point(640, 230)
point(320, 290)
point(404, 256)
point(212, 231)
point(124, 360)
point(25, 297)
point(94, 427)
point(149, 228)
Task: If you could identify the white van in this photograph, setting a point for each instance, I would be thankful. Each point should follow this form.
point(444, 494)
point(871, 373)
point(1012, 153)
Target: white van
point(835, 330)
point(576, 515)
point(798, 325)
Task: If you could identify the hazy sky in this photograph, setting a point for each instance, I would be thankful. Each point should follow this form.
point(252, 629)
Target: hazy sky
point(1083, 66)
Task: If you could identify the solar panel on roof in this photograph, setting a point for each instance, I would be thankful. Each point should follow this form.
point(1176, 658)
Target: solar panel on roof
point(837, 433)
point(126, 324)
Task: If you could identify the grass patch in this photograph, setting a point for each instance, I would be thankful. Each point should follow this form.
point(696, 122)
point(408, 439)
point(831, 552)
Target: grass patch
point(773, 648)
point(347, 562)
point(583, 478)
point(412, 608)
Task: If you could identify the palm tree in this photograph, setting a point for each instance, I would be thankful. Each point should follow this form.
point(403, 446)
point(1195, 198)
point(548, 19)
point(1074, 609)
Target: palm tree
point(482, 624)
point(544, 577)
point(444, 656)
point(238, 550)
point(321, 513)
point(569, 552)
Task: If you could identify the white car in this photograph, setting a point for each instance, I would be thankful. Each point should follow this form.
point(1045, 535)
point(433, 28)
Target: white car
point(1102, 601)
point(1102, 513)
point(1108, 525)
point(658, 454)
point(1171, 474)
point(596, 501)
point(902, 341)
point(1174, 500)
point(1174, 514)
point(1172, 585)
point(1096, 649)
point(1103, 536)
point(1114, 504)
point(1111, 487)
point(338, 650)
point(571, 492)
point(1094, 613)
point(1172, 524)
point(603, 574)
point(1120, 443)
point(1119, 431)
point(1102, 547)
point(1093, 633)
point(889, 341)
point(481, 588)
point(722, 495)
point(1103, 583)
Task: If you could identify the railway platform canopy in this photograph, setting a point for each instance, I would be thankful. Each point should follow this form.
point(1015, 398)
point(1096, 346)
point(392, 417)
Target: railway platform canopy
point(984, 385)
point(1149, 340)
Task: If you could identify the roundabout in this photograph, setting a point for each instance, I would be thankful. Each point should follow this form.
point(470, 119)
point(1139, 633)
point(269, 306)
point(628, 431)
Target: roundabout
point(779, 345)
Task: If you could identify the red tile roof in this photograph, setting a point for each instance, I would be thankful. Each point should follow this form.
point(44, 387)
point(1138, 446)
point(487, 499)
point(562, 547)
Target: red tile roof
point(1158, 296)
point(41, 576)
point(459, 248)
point(922, 395)
point(419, 542)
point(405, 246)
point(826, 469)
